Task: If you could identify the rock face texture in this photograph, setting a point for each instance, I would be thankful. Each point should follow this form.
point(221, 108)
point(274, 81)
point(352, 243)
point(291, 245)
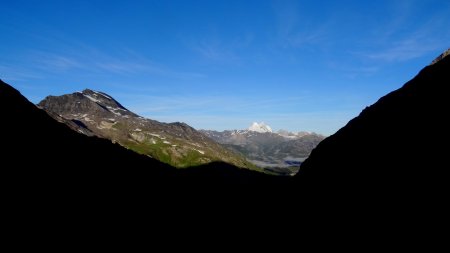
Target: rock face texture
point(177, 144)
point(399, 143)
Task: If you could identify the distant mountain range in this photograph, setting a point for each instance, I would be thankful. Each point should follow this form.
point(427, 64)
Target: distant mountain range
point(95, 113)
point(177, 144)
point(280, 152)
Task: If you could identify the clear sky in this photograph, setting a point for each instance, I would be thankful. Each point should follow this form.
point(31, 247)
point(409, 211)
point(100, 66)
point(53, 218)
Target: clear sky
point(296, 65)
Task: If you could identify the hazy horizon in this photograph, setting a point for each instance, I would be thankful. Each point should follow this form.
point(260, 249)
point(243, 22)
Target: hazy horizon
point(222, 65)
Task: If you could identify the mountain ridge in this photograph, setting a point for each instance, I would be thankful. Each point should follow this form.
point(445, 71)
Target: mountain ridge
point(441, 56)
point(177, 144)
point(381, 150)
point(43, 158)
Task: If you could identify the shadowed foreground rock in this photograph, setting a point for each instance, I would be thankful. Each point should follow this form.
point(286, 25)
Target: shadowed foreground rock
point(398, 145)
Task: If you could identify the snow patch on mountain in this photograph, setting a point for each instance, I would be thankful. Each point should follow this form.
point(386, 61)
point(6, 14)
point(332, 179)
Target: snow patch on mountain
point(102, 94)
point(292, 135)
point(91, 98)
point(260, 128)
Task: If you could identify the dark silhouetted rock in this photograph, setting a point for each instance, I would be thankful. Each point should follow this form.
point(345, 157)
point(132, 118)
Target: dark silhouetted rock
point(397, 145)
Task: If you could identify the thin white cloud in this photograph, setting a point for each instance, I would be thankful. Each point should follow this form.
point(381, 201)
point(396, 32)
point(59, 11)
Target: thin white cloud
point(293, 30)
point(396, 45)
point(13, 73)
point(216, 49)
point(352, 70)
point(121, 67)
point(55, 63)
point(91, 60)
point(60, 62)
point(406, 49)
point(209, 104)
point(125, 67)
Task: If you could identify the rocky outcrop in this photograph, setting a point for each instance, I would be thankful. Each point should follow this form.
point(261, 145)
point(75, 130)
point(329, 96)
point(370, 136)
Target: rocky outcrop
point(440, 57)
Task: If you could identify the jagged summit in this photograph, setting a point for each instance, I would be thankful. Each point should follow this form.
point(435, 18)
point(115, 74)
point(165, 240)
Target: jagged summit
point(260, 128)
point(86, 102)
point(101, 97)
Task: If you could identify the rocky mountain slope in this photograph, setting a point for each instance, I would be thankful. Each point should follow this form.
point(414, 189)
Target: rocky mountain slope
point(280, 152)
point(398, 144)
point(96, 113)
point(43, 158)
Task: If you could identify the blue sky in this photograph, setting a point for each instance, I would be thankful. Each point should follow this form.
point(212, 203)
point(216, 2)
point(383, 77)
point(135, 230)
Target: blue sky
point(296, 65)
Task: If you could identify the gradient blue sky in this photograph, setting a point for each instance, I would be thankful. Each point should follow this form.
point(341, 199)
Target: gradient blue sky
point(296, 65)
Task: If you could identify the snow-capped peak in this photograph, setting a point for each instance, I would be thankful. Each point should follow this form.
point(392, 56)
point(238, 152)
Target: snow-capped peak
point(260, 127)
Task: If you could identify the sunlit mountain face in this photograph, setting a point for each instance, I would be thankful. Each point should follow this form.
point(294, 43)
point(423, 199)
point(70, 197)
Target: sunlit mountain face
point(176, 144)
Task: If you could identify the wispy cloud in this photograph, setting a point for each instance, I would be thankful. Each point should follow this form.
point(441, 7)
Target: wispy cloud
point(218, 49)
point(14, 73)
point(123, 67)
point(54, 62)
point(215, 52)
point(396, 42)
point(293, 30)
point(352, 70)
point(91, 60)
point(130, 62)
point(58, 51)
point(412, 47)
point(220, 104)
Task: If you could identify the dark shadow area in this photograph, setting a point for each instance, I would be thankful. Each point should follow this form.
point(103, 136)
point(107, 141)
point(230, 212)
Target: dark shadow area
point(79, 123)
point(395, 148)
